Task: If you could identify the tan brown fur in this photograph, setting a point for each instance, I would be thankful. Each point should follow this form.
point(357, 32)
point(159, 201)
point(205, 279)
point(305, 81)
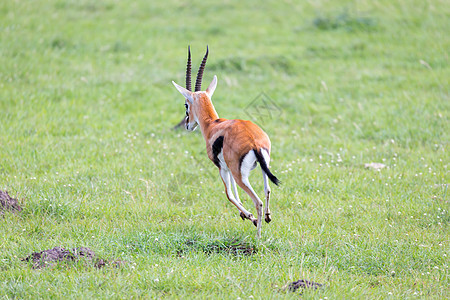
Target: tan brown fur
point(235, 146)
point(240, 136)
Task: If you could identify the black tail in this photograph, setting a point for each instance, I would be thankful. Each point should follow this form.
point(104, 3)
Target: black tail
point(264, 167)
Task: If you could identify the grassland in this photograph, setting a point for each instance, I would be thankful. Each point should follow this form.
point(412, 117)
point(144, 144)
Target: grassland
point(86, 111)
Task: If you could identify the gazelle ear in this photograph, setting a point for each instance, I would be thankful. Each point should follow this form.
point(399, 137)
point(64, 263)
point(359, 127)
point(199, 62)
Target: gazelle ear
point(186, 93)
point(212, 87)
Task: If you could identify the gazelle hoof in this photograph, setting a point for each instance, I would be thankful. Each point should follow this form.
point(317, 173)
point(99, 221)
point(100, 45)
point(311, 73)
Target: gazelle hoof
point(268, 218)
point(255, 222)
point(243, 217)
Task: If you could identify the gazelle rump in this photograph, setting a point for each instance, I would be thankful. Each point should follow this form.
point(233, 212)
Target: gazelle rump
point(234, 146)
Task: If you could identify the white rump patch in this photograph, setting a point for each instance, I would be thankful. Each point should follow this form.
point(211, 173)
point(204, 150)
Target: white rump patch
point(266, 156)
point(248, 164)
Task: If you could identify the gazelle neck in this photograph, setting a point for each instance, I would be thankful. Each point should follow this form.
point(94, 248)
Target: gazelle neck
point(206, 114)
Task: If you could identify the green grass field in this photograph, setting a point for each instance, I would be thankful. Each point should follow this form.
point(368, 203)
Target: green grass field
point(86, 144)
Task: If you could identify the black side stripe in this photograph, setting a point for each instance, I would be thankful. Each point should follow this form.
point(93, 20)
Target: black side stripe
point(216, 149)
point(241, 160)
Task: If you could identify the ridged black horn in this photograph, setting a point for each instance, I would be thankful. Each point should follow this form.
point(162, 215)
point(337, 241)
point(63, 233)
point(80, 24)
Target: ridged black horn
point(188, 71)
point(198, 82)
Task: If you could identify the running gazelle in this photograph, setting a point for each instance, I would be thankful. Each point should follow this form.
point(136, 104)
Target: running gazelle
point(234, 146)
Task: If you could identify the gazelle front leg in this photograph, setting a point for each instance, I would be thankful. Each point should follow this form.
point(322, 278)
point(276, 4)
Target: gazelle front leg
point(267, 193)
point(226, 178)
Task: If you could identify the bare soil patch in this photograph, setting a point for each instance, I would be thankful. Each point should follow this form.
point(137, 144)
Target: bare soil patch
point(56, 255)
point(8, 203)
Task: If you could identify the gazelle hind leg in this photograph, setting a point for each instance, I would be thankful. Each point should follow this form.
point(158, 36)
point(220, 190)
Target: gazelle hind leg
point(246, 186)
point(241, 177)
point(226, 178)
point(266, 157)
point(267, 194)
point(236, 195)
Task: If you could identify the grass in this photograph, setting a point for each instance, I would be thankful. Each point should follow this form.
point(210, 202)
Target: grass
point(86, 111)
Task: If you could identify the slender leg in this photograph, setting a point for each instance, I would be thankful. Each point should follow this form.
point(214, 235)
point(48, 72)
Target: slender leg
point(227, 182)
point(246, 186)
point(236, 195)
point(241, 176)
point(267, 193)
point(266, 156)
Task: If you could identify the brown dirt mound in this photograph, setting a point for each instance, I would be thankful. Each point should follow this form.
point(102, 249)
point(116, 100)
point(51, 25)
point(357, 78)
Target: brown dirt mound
point(58, 254)
point(302, 284)
point(8, 203)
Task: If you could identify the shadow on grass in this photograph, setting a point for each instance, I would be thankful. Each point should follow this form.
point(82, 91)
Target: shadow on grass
point(227, 246)
point(180, 244)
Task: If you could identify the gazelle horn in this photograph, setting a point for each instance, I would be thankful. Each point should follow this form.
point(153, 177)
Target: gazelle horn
point(188, 71)
point(198, 82)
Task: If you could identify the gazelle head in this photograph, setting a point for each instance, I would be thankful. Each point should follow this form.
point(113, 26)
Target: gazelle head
point(194, 99)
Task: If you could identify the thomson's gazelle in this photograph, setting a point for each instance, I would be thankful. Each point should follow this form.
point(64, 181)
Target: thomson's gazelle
point(234, 146)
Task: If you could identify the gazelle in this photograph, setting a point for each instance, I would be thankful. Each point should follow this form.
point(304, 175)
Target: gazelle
point(234, 146)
